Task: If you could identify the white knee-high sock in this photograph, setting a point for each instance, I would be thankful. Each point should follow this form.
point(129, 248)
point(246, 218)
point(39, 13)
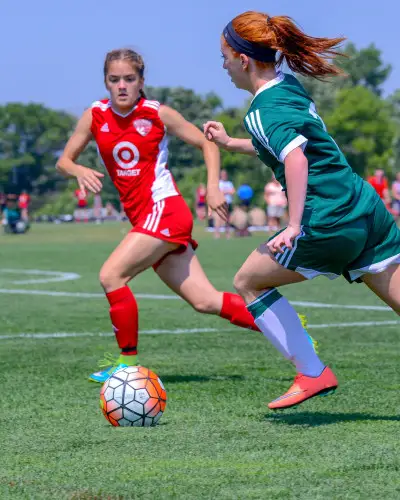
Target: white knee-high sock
point(279, 322)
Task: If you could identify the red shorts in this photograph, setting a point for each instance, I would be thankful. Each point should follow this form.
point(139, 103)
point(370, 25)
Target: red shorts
point(82, 203)
point(169, 220)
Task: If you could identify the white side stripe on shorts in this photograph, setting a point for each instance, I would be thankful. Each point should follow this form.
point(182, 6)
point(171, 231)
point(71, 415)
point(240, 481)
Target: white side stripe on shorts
point(150, 218)
point(296, 240)
point(153, 219)
point(281, 256)
point(160, 211)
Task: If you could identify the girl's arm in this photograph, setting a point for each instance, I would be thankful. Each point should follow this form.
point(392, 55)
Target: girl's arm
point(177, 125)
point(87, 177)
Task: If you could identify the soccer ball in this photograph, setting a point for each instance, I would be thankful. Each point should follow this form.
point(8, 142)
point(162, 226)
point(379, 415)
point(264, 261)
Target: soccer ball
point(133, 396)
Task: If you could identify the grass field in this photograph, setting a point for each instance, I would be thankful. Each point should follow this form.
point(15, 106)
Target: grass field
point(217, 439)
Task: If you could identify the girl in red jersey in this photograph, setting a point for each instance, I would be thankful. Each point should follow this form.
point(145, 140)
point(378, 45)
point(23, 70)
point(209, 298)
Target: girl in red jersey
point(23, 203)
point(81, 211)
point(130, 132)
point(201, 206)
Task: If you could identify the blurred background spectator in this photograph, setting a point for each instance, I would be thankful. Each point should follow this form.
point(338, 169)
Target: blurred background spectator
point(380, 183)
point(200, 202)
point(24, 201)
point(98, 208)
point(81, 211)
point(227, 187)
point(12, 220)
point(396, 196)
point(276, 201)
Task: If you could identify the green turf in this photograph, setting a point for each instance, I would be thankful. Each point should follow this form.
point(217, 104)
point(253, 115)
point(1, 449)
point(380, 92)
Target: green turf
point(217, 439)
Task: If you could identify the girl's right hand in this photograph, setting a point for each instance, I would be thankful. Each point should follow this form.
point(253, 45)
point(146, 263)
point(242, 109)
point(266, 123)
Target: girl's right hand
point(89, 179)
point(215, 132)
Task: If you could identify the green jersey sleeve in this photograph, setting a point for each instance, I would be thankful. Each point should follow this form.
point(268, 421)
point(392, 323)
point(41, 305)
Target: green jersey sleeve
point(274, 133)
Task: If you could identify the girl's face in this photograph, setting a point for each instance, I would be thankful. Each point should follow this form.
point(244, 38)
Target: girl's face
point(236, 67)
point(124, 84)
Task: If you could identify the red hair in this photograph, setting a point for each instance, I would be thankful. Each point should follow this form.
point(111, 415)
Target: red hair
point(304, 54)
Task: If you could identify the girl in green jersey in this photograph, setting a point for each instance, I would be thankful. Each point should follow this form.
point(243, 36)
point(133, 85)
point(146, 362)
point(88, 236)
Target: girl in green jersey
point(337, 223)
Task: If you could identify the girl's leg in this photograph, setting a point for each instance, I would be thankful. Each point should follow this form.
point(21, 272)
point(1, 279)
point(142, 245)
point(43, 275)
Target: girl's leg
point(185, 276)
point(256, 281)
point(133, 255)
point(386, 285)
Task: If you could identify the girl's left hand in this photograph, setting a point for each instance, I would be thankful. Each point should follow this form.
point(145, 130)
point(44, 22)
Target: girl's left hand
point(216, 201)
point(285, 238)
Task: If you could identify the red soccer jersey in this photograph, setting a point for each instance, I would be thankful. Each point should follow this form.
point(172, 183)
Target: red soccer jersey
point(81, 196)
point(134, 149)
point(23, 200)
point(380, 185)
point(201, 195)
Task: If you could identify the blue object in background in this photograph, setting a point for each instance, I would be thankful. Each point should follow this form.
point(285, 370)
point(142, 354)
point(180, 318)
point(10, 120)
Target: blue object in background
point(245, 192)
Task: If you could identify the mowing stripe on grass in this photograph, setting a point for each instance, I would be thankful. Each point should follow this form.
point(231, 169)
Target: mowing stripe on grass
point(84, 295)
point(180, 331)
point(50, 293)
point(62, 335)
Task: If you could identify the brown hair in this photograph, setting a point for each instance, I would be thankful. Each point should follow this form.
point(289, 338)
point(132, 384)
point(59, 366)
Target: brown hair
point(303, 54)
point(125, 55)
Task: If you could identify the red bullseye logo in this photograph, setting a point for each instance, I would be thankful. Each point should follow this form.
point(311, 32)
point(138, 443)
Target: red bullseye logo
point(126, 155)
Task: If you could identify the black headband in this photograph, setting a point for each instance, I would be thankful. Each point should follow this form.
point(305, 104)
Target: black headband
point(251, 49)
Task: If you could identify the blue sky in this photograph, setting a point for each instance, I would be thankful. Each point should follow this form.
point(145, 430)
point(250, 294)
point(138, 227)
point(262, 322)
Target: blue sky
point(52, 51)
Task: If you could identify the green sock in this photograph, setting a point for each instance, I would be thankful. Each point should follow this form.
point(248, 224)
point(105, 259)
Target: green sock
point(130, 360)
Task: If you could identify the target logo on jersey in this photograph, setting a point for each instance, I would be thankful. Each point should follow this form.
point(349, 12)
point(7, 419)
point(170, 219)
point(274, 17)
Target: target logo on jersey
point(143, 126)
point(127, 156)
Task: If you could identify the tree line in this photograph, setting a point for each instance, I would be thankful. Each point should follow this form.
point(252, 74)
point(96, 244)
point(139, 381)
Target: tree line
point(365, 124)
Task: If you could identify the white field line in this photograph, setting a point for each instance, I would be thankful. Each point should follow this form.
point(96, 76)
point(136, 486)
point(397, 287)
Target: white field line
point(322, 305)
point(47, 276)
point(57, 276)
point(180, 331)
point(49, 293)
point(355, 323)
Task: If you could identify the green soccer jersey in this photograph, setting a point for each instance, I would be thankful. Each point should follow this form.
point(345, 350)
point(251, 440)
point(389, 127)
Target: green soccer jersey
point(282, 117)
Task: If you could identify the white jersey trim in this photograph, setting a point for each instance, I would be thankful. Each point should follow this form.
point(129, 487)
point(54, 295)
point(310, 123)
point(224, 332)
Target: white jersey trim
point(107, 105)
point(163, 185)
point(376, 268)
point(300, 140)
point(102, 105)
point(279, 78)
point(310, 274)
point(123, 115)
point(151, 104)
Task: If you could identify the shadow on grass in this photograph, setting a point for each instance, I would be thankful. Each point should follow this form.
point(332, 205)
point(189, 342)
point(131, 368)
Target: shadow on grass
point(176, 379)
point(316, 419)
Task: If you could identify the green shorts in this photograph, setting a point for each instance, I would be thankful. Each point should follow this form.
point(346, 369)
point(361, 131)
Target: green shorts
point(367, 245)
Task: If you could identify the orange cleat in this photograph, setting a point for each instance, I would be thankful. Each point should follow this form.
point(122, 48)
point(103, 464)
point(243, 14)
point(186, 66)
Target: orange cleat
point(305, 388)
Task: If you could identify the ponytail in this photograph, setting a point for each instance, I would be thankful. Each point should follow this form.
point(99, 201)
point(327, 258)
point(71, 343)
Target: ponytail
point(304, 54)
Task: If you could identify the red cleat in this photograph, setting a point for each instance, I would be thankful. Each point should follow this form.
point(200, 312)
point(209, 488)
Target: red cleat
point(305, 388)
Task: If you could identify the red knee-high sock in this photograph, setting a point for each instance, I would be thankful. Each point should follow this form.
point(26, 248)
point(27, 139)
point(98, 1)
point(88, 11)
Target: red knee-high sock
point(234, 309)
point(124, 318)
